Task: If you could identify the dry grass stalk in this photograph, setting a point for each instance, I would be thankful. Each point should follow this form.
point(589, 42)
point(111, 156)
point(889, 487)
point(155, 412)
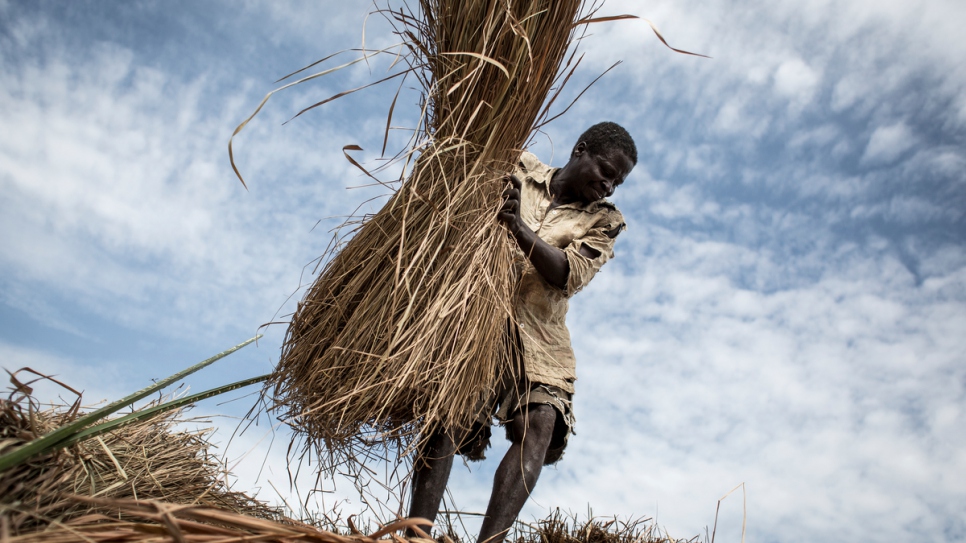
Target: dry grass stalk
point(403, 330)
point(144, 460)
point(149, 521)
point(559, 528)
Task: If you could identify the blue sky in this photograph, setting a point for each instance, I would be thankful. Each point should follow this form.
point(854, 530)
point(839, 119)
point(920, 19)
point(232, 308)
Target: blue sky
point(787, 309)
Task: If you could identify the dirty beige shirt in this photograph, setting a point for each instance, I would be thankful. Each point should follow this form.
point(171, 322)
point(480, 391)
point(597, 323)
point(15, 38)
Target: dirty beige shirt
point(540, 308)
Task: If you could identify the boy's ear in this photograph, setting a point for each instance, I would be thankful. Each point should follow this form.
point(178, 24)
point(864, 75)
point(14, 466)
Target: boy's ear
point(580, 148)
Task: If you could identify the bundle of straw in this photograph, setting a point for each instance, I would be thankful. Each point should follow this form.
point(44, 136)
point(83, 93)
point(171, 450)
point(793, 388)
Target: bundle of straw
point(143, 460)
point(150, 521)
point(403, 330)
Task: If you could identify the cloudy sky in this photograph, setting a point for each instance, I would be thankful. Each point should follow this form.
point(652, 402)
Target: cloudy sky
point(787, 309)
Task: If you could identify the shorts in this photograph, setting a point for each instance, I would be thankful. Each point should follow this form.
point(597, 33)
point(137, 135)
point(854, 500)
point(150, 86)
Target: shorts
point(506, 404)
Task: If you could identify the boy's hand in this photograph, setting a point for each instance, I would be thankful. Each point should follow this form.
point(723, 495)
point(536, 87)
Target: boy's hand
point(549, 261)
point(509, 214)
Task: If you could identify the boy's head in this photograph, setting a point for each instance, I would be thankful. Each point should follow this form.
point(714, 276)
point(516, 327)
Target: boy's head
point(603, 137)
point(599, 163)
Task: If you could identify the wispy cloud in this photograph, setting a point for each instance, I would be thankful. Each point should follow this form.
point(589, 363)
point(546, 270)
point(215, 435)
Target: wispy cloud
point(887, 143)
point(117, 190)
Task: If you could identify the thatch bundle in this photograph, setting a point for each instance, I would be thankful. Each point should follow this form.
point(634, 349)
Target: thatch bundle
point(143, 460)
point(158, 522)
point(403, 330)
point(150, 521)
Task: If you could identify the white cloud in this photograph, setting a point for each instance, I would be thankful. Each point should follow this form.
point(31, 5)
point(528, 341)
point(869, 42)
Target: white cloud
point(796, 81)
point(851, 93)
point(678, 202)
point(887, 143)
point(736, 118)
point(818, 136)
point(97, 382)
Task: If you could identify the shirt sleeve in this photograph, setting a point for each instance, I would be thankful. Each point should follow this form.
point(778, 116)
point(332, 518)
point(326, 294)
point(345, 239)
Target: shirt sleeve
point(582, 268)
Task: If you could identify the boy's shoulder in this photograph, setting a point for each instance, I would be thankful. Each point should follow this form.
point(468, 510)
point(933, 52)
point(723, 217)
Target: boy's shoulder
point(531, 166)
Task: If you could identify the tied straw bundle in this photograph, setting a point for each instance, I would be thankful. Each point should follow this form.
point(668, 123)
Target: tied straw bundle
point(403, 330)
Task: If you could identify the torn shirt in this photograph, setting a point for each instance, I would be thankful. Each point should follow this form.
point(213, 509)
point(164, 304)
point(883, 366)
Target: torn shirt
point(539, 307)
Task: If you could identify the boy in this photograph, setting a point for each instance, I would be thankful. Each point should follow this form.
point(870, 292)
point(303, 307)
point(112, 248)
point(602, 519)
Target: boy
point(565, 231)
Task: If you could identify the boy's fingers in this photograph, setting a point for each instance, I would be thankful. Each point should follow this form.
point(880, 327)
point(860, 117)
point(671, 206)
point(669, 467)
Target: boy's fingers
point(511, 200)
point(508, 211)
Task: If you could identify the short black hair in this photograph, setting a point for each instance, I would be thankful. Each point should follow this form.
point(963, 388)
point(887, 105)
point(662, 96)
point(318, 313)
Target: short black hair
point(607, 135)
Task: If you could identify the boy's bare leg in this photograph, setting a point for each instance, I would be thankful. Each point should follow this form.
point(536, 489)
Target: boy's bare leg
point(519, 470)
point(430, 478)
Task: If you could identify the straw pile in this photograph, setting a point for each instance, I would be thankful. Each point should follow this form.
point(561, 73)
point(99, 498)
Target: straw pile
point(148, 521)
point(403, 330)
point(559, 528)
point(157, 522)
point(143, 460)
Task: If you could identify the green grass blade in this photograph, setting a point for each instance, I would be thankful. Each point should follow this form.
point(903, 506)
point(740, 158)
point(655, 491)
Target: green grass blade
point(49, 441)
point(145, 414)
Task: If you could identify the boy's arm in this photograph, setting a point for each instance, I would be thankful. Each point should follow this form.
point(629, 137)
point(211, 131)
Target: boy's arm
point(549, 261)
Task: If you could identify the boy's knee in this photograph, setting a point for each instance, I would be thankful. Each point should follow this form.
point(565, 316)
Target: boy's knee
point(534, 422)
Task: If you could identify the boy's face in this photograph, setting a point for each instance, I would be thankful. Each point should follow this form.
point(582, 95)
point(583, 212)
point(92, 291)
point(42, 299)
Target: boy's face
point(594, 176)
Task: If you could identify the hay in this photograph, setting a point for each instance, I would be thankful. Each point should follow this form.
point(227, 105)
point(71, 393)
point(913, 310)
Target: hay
point(561, 528)
point(157, 522)
point(149, 521)
point(143, 460)
point(403, 330)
